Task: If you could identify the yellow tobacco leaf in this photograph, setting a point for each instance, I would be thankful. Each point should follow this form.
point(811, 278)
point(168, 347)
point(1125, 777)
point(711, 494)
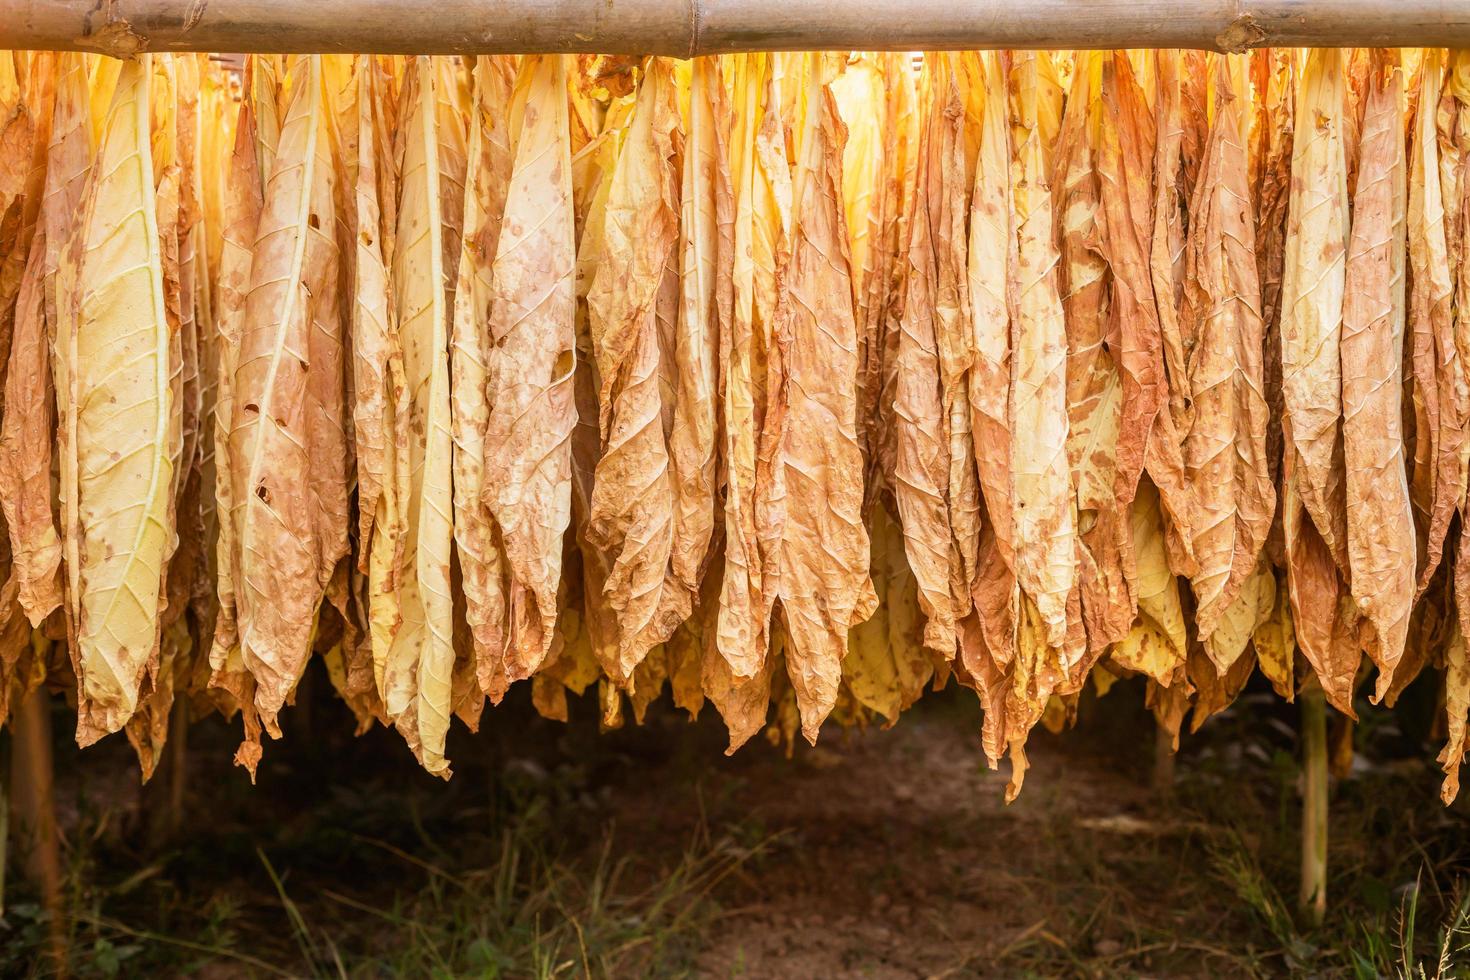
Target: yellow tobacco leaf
point(417, 672)
point(113, 361)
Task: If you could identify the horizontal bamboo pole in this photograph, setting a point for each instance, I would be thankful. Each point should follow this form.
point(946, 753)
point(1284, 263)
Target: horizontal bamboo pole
point(691, 27)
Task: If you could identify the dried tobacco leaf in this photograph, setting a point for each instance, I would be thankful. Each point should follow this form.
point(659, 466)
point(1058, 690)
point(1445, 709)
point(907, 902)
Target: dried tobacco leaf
point(761, 220)
point(1380, 521)
point(1045, 518)
point(532, 324)
point(118, 410)
point(417, 671)
point(631, 520)
point(1094, 384)
point(486, 183)
point(825, 588)
point(286, 445)
point(241, 207)
point(1312, 292)
point(991, 254)
point(1225, 446)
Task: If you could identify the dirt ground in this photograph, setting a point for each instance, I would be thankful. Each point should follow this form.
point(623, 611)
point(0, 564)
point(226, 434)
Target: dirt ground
point(560, 851)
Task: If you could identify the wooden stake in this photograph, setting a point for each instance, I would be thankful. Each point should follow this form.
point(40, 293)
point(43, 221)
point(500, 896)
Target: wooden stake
point(33, 798)
point(178, 750)
point(4, 813)
point(1312, 903)
point(163, 797)
point(1163, 779)
point(684, 28)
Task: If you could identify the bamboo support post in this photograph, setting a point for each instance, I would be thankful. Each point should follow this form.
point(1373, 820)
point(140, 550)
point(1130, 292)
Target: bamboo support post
point(33, 801)
point(1163, 774)
point(178, 752)
point(684, 28)
point(162, 798)
point(4, 813)
point(1312, 902)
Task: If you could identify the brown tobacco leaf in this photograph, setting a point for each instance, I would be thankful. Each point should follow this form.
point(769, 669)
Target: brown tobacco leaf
point(1213, 692)
point(772, 243)
point(241, 207)
point(1045, 519)
point(901, 144)
point(1275, 643)
point(1155, 644)
point(824, 584)
point(27, 429)
point(921, 417)
point(991, 256)
point(1314, 508)
point(631, 519)
point(1451, 119)
point(705, 299)
point(743, 702)
point(381, 405)
point(1457, 705)
point(487, 180)
point(1312, 297)
point(532, 410)
point(1225, 447)
point(24, 134)
point(26, 432)
point(379, 413)
point(860, 91)
point(287, 444)
point(1274, 78)
point(1094, 385)
point(1167, 250)
point(1148, 439)
point(1380, 519)
point(761, 220)
point(591, 185)
point(186, 569)
point(936, 310)
point(948, 171)
point(1437, 479)
point(1322, 610)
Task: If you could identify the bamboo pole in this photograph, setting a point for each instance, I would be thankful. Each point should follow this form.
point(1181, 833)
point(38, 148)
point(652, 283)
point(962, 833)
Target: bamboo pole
point(1312, 902)
point(684, 28)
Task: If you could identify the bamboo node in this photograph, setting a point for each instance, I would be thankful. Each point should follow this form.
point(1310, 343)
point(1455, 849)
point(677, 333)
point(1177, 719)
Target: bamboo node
point(117, 39)
point(1242, 35)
